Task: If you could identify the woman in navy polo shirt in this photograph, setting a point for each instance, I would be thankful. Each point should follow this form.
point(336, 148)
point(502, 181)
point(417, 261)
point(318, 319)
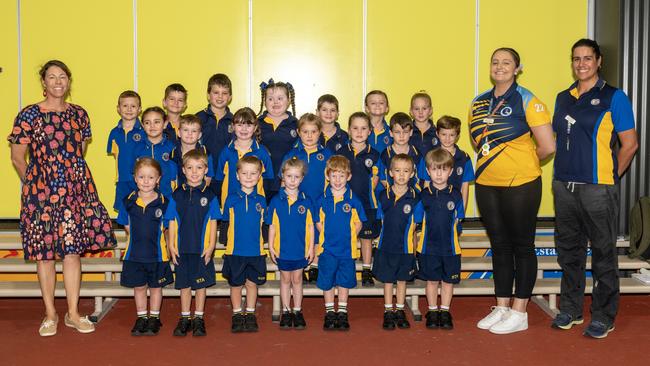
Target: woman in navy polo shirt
point(590, 116)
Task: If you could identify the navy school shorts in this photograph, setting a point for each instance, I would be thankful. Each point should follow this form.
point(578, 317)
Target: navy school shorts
point(237, 269)
point(137, 274)
point(192, 272)
point(391, 267)
point(439, 268)
point(334, 271)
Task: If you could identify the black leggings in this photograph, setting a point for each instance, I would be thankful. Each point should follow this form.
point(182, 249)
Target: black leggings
point(510, 218)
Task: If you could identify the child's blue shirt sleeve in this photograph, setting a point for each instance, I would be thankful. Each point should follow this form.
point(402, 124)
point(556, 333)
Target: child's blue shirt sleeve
point(122, 216)
point(418, 213)
point(214, 213)
point(219, 174)
point(468, 171)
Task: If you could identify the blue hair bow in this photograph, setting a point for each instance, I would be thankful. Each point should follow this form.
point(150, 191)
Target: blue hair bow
point(264, 85)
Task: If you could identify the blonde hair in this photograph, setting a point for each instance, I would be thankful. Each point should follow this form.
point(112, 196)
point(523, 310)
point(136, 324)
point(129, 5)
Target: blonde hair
point(250, 159)
point(439, 157)
point(310, 118)
point(145, 161)
point(195, 154)
point(294, 163)
point(190, 119)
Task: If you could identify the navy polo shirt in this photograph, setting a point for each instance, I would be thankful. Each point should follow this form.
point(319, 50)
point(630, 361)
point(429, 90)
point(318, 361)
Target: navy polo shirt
point(170, 132)
point(291, 220)
point(338, 216)
point(313, 183)
point(177, 158)
point(122, 144)
point(147, 224)
point(426, 141)
point(245, 213)
point(192, 208)
point(161, 152)
point(440, 214)
point(398, 222)
point(216, 134)
point(365, 165)
point(338, 139)
point(463, 170)
point(380, 141)
point(278, 140)
point(586, 128)
point(387, 156)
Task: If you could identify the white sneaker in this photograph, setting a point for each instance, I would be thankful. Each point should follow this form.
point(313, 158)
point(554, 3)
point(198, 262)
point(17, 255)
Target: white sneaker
point(514, 322)
point(494, 317)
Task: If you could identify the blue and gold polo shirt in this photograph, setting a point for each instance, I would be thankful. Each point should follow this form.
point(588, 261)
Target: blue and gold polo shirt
point(380, 140)
point(424, 141)
point(227, 168)
point(313, 183)
point(161, 152)
point(193, 208)
point(177, 158)
point(500, 128)
point(147, 224)
point(398, 222)
point(337, 141)
point(279, 140)
point(586, 128)
point(365, 165)
point(170, 132)
point(387, 156)
point(291, 220)
point(216, 134)
point(244, 213)
point(463, 170)
point(338, 216)
point(122, 144)
point(440, 213)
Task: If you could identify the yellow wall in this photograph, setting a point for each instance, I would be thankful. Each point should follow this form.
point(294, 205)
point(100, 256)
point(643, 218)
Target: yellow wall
point(318, 47)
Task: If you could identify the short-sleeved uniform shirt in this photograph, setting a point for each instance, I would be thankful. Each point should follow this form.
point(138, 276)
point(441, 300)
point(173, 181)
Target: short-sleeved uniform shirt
point(122, 144)
point(216, 134)
point(313, 184)
point(380, 140)
point(337, 141)
point(365, 165)
point(147, 224)
point(227, 167)
point(387, 156)
point(177, 158)
point(398, 221)
point(424, 141)
point(338, 217)
point(586, 127)
point(291, 220)
point(170, 132)
point(161, 152)
point(500, 127)
point(278, 140)
point(440, 213)
point(244, 213)
point(463, 170)
point(193, 208)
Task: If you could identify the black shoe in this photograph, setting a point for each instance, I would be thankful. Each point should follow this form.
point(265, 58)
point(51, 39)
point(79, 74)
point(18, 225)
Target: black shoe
point(299, 320)
point(366, 278)
point(250, 323)
point(140, 326)
point(237, 323)
point(343, 323)
point(198, 327)
point(389, 320)
point(153, 326)
point(433, 319)
point(313, 274)
point(331, 321)
point(445, 320)
point(184, 324)
point(286, 320)
point(400, 320)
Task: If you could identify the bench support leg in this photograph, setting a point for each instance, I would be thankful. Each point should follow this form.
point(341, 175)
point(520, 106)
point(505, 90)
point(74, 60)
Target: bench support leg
point(276, 309)
point(414, 303)
point(548, 306)
point(102, 307)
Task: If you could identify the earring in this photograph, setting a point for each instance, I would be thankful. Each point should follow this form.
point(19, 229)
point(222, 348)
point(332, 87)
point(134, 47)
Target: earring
point(44, 93)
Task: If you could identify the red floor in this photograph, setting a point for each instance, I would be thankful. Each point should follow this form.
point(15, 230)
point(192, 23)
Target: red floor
point(365, 344)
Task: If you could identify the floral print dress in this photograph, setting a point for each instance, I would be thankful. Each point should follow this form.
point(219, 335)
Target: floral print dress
point(60, 210)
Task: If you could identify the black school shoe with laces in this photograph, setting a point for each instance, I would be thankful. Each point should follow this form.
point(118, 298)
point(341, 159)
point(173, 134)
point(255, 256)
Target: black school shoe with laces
point(198, 327)
point(331, 321)
point(250, 323)
point(153, 326)
point(299, 320)
point(400, 320)
point(140, 326)
point(343, 323)
point(366, 278)
point(286, 320)
point(237, 323)
point(312, 274)
point(389, 320)
point(182, 327)
point(445, 320)
point(433, 319)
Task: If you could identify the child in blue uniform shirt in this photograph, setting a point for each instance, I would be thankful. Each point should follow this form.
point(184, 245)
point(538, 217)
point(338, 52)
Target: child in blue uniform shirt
point(291, 239)
point(244, 263)
point(401, 130)
point(395, 258)
point(438, 245)
point(377, 108)
point(122, 141)
point(174, 102)
point(424, 136)
point(216, 117)
point(340, 217)
point(193, 235)
point(144, 214)
point(189, 134)
point(365, 165)
point(332, 135)
point(156, 146)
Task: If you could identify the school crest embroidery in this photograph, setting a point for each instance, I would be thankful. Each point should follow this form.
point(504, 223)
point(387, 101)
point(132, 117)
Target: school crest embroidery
point(407, 209)
point(450, 205)
point(137, 137)
point(337, 147)
point(301, 209)
point(165, 156)
point(258, 207)
point(293, 133)
point(347, 208)
point(368, 163)
point(506, 111)
point(459, 170)
point(204, 201)
point(320, 157)
point(386, 140)
point(434, 141)
point(158, 213)
point(595, 101)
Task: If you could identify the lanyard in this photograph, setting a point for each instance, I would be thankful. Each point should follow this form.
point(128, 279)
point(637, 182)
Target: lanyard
point(485, 148)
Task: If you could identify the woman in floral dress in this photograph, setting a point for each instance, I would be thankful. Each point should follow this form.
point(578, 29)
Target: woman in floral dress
point(61, 216)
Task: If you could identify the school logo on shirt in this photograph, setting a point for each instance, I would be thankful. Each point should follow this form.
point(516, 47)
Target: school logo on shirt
point(301, 209)
point(347, 208)
point(506, 111)
point(320, 157)
point(204, 201)
point(337, 147)
point(595, 101)
point(450, 205)
point(158, 213)
point(459, 170)
point(434, 141)
point(230, 129)
point(368, 162)
point(407, 209)
point(165, 156)
point(137, 137)
point(258, 207)
point(293, 133)
point(386, 140)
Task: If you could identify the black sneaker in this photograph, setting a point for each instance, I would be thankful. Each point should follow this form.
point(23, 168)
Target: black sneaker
point(445, 320)
point(153, 326)
point(433, 319)
point(184, 324)
point(400, 319)
point(312, 274)
point(331, 321)
point(389, 320)
point(286, 320)
point(140, 326)
point(237, 323)
point(299, 320)
point(198, 327)
point(566, 321)
point(250, 323)
point(343, 323)
point(366, 278)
